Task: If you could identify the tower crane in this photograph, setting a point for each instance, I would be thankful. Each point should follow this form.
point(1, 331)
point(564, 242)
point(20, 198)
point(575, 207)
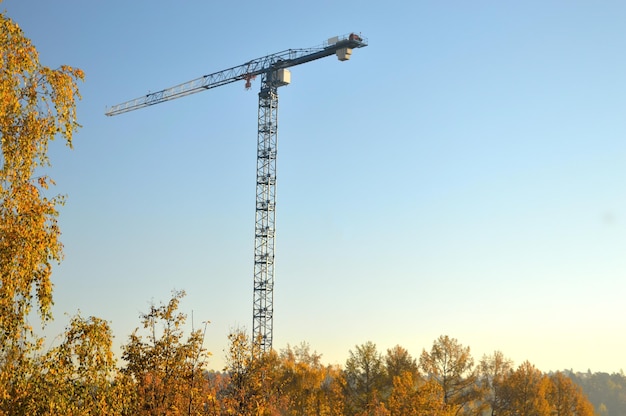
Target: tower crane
point(274, 73)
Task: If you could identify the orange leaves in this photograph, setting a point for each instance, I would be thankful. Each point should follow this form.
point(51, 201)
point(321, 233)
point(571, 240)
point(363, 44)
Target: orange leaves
point(416, 396)
point(167, 369)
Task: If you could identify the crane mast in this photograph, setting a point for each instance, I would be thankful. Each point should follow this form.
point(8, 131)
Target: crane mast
point(274, 73)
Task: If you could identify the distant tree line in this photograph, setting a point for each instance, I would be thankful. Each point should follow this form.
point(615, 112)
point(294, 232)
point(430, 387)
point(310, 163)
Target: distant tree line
point(606, 391)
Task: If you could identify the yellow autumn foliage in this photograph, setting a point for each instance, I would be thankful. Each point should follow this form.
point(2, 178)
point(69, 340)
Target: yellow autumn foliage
point(37, 104)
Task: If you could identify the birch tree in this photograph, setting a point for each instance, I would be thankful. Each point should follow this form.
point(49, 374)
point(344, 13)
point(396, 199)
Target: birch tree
point(37, 105)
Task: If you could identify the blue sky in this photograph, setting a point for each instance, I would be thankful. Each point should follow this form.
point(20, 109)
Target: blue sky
point(462, 175)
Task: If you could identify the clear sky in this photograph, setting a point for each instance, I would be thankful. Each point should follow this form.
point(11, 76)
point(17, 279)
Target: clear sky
point(463, 175)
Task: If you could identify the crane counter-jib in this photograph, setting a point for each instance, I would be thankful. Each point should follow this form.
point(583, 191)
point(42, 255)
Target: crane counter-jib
point(341, 46)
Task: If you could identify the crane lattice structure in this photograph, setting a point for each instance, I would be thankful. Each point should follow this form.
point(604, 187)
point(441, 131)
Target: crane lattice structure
point(274, 74)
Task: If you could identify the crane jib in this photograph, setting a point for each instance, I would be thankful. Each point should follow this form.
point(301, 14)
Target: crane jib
point(247, 71)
